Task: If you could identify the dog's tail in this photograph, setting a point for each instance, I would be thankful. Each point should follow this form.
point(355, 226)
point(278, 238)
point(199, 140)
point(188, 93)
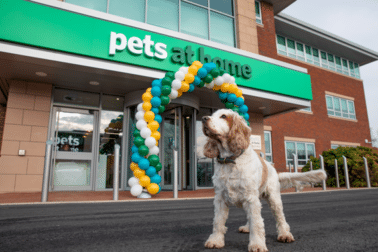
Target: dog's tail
point(300, 179)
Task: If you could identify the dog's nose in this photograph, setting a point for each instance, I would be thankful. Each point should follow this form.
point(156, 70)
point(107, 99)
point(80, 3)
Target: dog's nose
point(205, 118)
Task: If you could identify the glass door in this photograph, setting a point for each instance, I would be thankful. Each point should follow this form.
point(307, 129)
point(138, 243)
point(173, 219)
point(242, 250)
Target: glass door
point(74, 134)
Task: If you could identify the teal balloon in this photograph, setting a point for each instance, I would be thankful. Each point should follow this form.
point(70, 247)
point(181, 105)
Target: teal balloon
point(158, 118)
point(143, 150)
point(222, 95)
point(246, 116)
point(239, 101)
point(232, 97)
point(156, 179)
point(151, 171)
point(166, 90)
point(202, 72)
point(154, 160)
point(158, 167)
point(155, 102)
point(244, 108)
point(138, 141)
point(156, 91)
point(191, 88)
point(143, 164)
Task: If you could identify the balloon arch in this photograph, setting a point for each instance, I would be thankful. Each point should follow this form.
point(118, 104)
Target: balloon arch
point(145, 160)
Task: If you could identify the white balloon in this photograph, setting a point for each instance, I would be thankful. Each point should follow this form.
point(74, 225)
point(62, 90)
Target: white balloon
point(226, 77)
point(179, 75)
point(150, 142)
point(136, 190)
point(133, 181)
point(154, 150)
point(145, 132)
point(173, 94)
point(184, 69)
point(219, 80)
point(141, 124)
point(210, 85)
point(176, 84)
point(232, 80)
point(140, 107)
point(139, 115)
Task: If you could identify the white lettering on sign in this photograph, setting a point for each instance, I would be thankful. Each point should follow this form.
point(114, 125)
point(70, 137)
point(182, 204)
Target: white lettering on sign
point(256, 142)
point(135, 45)
point(70, 140)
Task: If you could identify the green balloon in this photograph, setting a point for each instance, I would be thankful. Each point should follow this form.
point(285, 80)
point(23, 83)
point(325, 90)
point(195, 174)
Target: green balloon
point(164, 100)
point(201, 84)
point(248, 123)
point(143, 150)
point(154, 160)
point(161, 109)
point(215, 72)
point(221, 71)
point(236, 109)
point(170, 75)
point(158, 167)
point(166, 81)
point(136, 132)
point(229, 105)
point(138, 141)
point(208, 78)
point(166, 90)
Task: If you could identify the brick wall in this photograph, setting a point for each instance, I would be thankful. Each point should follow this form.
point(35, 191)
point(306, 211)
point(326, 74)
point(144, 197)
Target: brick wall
point(246, 31)
point(26, 126)
point(316, 125)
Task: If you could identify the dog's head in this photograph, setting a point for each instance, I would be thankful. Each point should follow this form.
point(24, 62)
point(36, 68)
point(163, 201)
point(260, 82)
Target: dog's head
point(227, 129)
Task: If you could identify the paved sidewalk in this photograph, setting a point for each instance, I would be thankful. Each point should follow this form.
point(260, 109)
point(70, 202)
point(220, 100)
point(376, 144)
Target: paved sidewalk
point(86, 196)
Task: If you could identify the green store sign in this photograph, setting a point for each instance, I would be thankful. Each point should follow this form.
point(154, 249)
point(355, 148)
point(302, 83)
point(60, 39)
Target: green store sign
point(46, 27)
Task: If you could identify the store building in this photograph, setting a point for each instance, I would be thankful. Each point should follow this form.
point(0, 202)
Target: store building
point(74, 72)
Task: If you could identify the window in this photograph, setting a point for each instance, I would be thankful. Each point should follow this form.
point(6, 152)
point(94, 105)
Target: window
point(345, 67)
point(351, 69)
point(323, 56)
point(303, 151)
point(309, 54)
point(356, 70)
point(291, 48)
point(331, 62)
point(340, 107)
point(258, 12)
point(268, 146)
point(300, 52)
point(338, 65)
point(334, 146)
point(214, 19)
point(316, 56)
point(281, 45)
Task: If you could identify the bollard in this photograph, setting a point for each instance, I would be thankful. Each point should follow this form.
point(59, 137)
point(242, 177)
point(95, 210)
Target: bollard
point(116, 172)
point(46, 171)
point(175, 180)
point(295, 168)
point(367, 173)
point(322, 167)
point(346, 172)
point(290, 167)
point(337, 174)
point(312, 184)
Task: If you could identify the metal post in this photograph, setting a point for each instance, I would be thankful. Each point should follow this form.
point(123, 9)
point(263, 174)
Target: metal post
point(346, 172)
point(337, 174)
point(367, 173)
point(116, 172)
point(175, 169)
point(290, 167)
point(46, 171)
point(322, 167)
point(312, 184)
point(295, 168)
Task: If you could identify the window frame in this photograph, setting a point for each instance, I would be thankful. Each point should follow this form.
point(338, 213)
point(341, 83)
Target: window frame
point(258, 19)
point(296, 152)
point(269, 154)
point(339, 113)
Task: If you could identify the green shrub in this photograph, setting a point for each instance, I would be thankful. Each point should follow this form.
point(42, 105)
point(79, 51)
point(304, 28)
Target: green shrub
point(356, 168)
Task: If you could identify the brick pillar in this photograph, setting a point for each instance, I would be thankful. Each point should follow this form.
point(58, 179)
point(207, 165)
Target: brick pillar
point(2, 121)
point(257, 125)
point(246, 29)
point(26, 126)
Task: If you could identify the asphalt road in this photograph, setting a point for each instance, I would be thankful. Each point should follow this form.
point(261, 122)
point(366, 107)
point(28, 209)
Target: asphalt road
point(324, 221)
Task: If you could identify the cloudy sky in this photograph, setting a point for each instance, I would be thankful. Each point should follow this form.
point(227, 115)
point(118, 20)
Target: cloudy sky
point(356, 21)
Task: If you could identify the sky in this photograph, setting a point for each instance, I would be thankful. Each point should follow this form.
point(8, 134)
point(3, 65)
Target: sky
point(356, 21)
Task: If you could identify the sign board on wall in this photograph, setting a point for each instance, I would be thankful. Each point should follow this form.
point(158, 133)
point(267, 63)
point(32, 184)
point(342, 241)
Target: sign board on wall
point(256, 142)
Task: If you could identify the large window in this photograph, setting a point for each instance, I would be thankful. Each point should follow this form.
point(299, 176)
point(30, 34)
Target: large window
point(208, 19)
point(268, 146)
point(297, 50)
point(303, 151)
point(340, 107)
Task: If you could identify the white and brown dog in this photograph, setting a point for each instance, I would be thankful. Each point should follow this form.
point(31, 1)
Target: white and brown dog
point(241, 178)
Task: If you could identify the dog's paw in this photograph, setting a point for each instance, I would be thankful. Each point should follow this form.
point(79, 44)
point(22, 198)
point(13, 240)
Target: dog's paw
point(244, 229)
point(257, 248)
point(215, 241)
point(287, 237)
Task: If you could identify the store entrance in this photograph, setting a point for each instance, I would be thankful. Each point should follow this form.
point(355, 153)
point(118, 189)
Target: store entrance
point(177, 131)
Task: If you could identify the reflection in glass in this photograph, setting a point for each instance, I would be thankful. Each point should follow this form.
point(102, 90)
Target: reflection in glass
point(163, 13)
point(224, 6)
point(72, 172)
point(189, 12)
point(132, 127)
point(99, 5)
point(131, 9)
point(168, 145)
point(221, 29)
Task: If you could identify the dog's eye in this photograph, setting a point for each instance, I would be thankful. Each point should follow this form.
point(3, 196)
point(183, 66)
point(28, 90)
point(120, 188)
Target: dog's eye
point(223, 116)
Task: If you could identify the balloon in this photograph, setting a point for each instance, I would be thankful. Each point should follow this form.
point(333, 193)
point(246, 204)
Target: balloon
point(208, 78)
point(209, 66)
point(154, 125)
point(246, 116)
point(144, 163)
point(155, 110)
point(170, 75)
point(226, 77)
point(136, 157)
point(156, 179)
point(139, 173)
point(145, 132)
point(173, 94)
point(164, 100)
point(192, 70)
point(133, 181)
point(239, 101)
point(136, 133)
point(239, 93)
point(154, 150)
point(191, 88)
point(153, 188)
point(189, 78)
point(144, 181)
point(236, 109)
point(154, 160)
point(210, 85)
point(155, 102)
point(176, 84)
point(147, 106)
point(179, 93)
point(138, 141)
point(136, 190)
point(166, 81)
point(202, 72)
point(225, 87)
point(149, 116)
point(161, 109)
point(243, 109)
point(233, 88)
point(158, 118)
point(222, 96)
point(219, 80)
point(151, 171)
point(156, 91)
point(150, 142)
point(156, 83)
point(139, 107)
point(156, 135)
point(215, 72)
point(229, 105)
point(133, 166)
point(184, 87)
point(179, 76)
point(184, 69)
point(139, 115)
point(134, 149)
point(196, 81)
point(166, 90)
point(143, 150)
point(232, 80)
point(158, 167)
point(231, 97)
point(197, 63)
point(146, 97)
point(141, 124)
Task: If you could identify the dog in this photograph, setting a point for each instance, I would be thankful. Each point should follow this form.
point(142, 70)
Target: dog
point(242, 177)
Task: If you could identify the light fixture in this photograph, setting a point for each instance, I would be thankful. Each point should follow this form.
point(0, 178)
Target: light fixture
point(41, 74)
point(117, 99)
point(262, 108)
point(94, 83)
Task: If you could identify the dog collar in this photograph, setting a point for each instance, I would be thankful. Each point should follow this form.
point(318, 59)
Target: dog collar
point(229, 160)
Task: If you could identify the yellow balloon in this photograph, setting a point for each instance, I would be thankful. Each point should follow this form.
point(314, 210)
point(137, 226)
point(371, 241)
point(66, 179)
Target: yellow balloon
point(189, 78)
point(197, 63)
point(153, 126)
point(216, 87)
point(149, 116)
point(239, 93)
point(233, 89)
point(184, 86)
point(146, 97)
point(148, 90)
point(153, 188)
point(144, 181)
point(146, 106)
point(134, 166)
point(242, 97)
point(156, 135)
point(193, 70)
point(179, 93)
point(225, 87)
point(139, 173)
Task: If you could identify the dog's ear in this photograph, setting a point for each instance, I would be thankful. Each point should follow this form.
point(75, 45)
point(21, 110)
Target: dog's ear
point(210, 149)
point(238, 137)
